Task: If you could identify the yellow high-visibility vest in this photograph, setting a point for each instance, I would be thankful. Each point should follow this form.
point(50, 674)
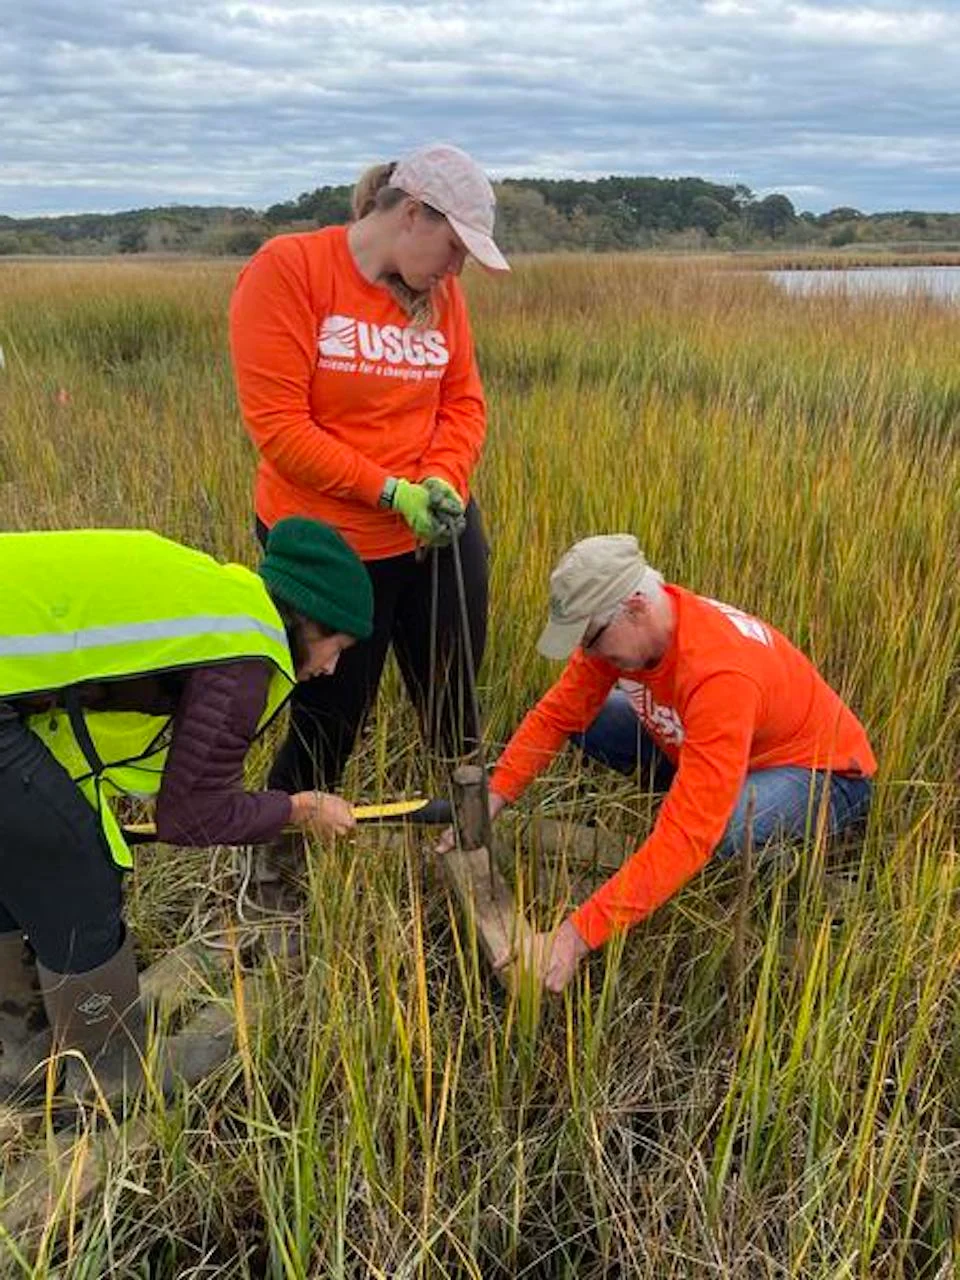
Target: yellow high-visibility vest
point(98, 605)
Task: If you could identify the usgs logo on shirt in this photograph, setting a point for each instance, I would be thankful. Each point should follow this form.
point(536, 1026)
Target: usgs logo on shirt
point(346, 338)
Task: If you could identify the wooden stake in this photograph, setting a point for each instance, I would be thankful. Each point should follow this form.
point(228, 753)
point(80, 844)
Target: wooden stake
point(481, 890)
point(469, 796)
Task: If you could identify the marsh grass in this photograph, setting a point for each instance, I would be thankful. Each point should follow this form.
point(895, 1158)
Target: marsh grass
point(756, 1082)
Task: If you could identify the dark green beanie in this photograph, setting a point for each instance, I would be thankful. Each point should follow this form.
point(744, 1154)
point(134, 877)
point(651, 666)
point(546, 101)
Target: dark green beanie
point(310, 567)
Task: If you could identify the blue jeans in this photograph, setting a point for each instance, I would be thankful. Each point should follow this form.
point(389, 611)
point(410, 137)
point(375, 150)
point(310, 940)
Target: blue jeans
point(786, 800)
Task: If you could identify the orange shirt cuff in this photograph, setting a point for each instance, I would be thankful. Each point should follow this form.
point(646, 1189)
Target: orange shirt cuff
point(591, 924)
point(370, 484)
point(500, 782)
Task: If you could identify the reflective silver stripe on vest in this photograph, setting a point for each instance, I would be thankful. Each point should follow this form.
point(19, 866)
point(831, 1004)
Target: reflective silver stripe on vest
point(131, 632)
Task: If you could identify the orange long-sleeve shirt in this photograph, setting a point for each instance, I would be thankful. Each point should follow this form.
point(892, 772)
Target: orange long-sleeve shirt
point(338, 390)
point(730, 695)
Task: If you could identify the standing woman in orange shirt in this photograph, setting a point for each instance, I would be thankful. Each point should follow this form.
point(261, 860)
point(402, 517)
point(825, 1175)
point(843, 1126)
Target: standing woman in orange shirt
point(355, 369)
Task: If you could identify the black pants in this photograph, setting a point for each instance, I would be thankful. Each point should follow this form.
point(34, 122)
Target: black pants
point(328, 711)
point(58, 882)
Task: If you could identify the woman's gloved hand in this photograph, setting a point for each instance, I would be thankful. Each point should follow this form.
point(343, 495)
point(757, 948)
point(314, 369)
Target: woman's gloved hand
point(446, 504)
point(427, 523)
point(413, 503)
point(443, 496)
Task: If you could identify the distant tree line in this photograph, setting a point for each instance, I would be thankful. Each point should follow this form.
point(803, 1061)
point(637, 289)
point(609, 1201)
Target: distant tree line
point(534, 215)
point(170, 229)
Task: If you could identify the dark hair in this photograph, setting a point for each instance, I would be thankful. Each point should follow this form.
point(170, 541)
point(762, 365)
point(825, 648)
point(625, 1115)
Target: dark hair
point(373, 194)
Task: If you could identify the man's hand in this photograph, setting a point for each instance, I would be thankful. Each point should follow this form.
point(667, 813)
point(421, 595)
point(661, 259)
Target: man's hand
point(448, 839)
point(553, 957)
point(321, 813)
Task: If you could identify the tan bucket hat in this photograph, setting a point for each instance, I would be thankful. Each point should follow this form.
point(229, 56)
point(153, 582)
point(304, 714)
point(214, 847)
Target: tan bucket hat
point(592, 579)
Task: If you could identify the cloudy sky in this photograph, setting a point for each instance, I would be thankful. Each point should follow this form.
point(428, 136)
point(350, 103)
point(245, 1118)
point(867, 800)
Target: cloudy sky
point(115, 104)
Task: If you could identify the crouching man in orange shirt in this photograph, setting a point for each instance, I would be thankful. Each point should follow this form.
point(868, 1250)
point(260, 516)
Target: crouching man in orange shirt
point(712, 702)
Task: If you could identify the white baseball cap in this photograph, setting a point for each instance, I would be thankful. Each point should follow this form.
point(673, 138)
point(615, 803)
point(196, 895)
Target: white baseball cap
point(449, 181)
point(591, 580)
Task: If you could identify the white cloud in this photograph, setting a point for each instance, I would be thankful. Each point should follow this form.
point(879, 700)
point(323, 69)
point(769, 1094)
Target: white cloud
point(863, 25)
point(226, 101)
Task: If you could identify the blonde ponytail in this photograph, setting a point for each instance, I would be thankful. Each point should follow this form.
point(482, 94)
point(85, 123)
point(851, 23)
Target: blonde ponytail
point(371, 191)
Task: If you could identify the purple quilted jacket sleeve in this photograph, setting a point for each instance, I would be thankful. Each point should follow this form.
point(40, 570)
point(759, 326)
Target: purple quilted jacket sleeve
point(202, 800)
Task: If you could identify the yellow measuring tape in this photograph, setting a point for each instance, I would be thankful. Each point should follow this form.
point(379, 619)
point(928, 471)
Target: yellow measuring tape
point(361, 812)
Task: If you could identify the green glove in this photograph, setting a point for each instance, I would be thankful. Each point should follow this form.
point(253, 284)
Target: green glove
point(443, 496)
point(413, 503)
point(446, 505)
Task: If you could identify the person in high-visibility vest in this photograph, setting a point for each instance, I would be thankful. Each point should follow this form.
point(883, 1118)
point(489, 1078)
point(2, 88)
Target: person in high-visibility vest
point(133, 665)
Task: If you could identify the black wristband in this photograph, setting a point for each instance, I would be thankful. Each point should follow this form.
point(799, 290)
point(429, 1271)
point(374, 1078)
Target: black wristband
point(386, 494)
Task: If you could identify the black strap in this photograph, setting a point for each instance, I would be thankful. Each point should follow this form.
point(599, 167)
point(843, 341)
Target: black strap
point(78, 723)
